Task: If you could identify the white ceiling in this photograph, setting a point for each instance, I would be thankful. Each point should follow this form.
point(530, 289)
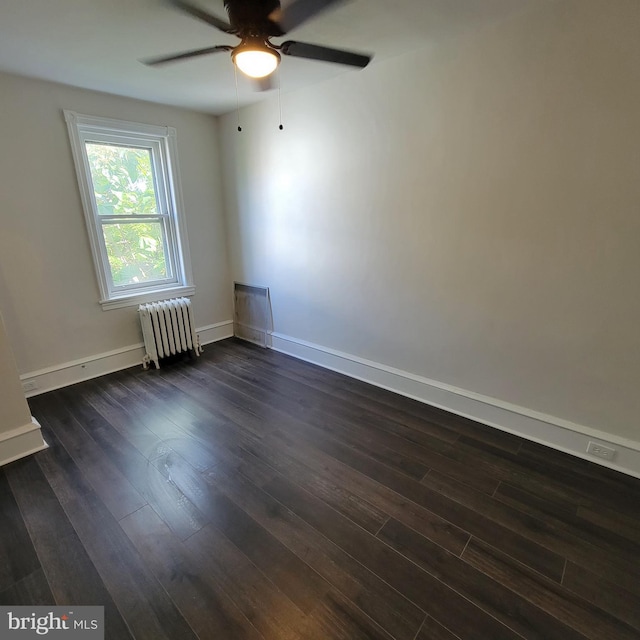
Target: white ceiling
point(97, 44)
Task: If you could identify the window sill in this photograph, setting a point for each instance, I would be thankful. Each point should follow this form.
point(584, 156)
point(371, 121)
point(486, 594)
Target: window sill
point(150, 296)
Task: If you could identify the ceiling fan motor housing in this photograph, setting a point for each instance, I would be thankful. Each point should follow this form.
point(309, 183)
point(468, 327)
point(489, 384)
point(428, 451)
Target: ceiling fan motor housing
point(253, 17)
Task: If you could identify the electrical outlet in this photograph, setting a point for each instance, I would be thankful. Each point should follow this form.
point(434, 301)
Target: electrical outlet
point(601, 451)
point(29, 385)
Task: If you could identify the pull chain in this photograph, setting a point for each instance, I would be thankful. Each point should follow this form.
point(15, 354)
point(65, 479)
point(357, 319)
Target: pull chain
point(281, 127)
point(235, 75)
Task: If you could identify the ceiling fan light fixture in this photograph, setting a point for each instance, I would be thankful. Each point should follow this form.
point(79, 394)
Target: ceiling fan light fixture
point(255, 60)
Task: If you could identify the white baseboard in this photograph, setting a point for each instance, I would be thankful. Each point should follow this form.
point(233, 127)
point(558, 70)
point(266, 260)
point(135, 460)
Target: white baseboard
point(100, 364)
point(20, 442)
point(541, 428)
point(214, 332)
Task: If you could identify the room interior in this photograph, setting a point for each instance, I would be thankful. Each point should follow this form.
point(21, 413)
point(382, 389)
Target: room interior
point(456, 223)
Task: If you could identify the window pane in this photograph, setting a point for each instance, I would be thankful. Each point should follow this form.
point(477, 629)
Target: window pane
point(122, 179)
point(136, 252)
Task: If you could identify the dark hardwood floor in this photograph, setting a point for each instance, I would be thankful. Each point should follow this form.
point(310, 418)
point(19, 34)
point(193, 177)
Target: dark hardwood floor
point(247, 495)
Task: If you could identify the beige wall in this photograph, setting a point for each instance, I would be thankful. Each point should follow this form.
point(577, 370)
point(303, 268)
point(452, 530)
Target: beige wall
point(19, 432)
point(469, 212)
point(48, 290)
point(14, 411)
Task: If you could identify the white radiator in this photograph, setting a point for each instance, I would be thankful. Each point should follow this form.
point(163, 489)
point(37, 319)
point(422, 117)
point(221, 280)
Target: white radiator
point(167, 327)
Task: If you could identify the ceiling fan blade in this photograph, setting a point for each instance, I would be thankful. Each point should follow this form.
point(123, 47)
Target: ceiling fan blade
point(263, 84)
point(185, 55)
point(199, 13)
point(299, 11)
point(326, 54)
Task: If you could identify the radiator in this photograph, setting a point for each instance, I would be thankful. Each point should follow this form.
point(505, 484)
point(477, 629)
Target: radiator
point(167, 328)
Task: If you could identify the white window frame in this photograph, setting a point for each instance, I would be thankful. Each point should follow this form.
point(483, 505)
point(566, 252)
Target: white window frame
point(162, 143)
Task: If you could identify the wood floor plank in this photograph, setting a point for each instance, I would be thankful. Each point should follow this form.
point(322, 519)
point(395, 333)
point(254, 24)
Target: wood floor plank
point(619, 523)
point(74, 431)
point(337, 617)
point(433, 630)
point(174, 428)
point(307, 409)
point(508, 467)
point(223, 401)
point(464, 440)
point(206, 606)
point(292, 576)
point(147, 439)
point(160, 412)
point(484, 591)
point(603, 593)
point(69, 571)
point(32, 590)
point(270, 610)
point(462, 517)
point(277, 454)
point(428, 415)
point(202, 431)
point(602, 537)
point(179, 513)
point(247, 495)
point(576, 465)
point(387, 501)
point(383, 604)
point(618, 490)
point(143, 603)
point(577, 613)
point(395, 420)
point(431, 595)
point(535, 504)
point(354, 424)
point(445, 532)
point(549, 534)
point(19, 558)
point(314, 399)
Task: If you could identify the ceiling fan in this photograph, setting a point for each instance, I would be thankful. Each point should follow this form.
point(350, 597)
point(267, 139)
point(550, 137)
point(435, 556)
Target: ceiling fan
point(255, 22)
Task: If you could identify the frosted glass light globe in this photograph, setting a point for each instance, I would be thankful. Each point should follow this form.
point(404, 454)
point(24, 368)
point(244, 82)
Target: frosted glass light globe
point(256, 63)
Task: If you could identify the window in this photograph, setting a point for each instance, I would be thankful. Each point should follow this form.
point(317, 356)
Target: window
point(128, 180)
